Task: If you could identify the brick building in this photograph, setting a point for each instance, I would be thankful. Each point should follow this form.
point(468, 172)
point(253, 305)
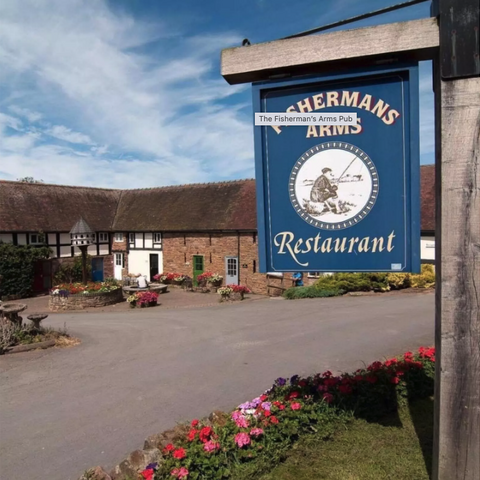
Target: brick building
point(187, 229)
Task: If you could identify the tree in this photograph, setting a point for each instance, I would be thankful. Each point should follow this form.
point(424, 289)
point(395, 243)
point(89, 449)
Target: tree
point(29, 180)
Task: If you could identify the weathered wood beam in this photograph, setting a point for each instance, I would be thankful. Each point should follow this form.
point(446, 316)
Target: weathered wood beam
point(416, 39)
point(457, 391)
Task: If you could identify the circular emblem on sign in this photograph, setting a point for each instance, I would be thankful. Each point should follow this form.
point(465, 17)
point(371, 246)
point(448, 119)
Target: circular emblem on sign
point(333, 185)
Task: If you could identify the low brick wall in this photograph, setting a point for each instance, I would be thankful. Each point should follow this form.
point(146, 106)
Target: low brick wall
point(82, 301)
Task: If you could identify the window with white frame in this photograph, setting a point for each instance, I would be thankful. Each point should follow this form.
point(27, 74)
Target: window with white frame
point(36, 239)
point(103, 237)
point(131, 238)
point(157, 238)
point(314, 274)
point(119, 237)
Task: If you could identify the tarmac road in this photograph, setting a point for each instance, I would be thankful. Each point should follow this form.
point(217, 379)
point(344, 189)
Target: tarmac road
point(138, 373)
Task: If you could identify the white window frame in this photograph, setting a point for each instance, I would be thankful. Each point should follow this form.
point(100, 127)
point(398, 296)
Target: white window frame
point(314, 274)
point(118, 236)
point(103, 237)
point(122, 260)
point(131, 238)
point(156, 237)
point(38, 241)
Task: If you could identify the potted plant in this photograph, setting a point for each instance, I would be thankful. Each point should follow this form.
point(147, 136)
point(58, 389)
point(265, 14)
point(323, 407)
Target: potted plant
point(239, 290)
point(132, 300)
point(225, 293)
point(215, 280)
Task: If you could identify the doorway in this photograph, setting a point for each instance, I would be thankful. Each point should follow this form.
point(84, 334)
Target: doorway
point(119, 264)
point(231, 270)
point(97, 269)
point(42, 279)
point(153, 265)
point(198, 267)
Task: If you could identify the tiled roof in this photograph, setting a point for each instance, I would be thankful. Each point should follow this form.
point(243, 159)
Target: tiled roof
point(427, 192)
point(196, 207)
point(54, 208)
point(208, 206)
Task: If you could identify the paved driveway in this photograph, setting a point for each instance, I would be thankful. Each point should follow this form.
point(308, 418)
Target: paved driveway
point(137, 373)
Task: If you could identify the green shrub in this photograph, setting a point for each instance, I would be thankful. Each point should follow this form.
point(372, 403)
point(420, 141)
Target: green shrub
point(354, 282)
point(310, 292)
point(72, 272)
point(17, 268)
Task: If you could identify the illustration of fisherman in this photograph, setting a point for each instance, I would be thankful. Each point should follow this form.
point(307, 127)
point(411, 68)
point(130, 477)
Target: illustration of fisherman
point(323, 191)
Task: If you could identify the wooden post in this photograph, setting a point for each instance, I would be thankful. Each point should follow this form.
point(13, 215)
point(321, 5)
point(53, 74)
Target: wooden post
point(83, 248)
point(456, 452)
point(457, 395)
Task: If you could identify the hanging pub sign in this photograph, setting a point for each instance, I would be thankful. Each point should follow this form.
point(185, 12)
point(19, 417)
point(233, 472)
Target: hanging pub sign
point(337, 171)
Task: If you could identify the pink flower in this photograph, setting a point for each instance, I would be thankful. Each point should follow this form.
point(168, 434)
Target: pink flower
point(296, 406)
point(239, 419)
point(211, 446)
point(179, 472)
point(242, 439)
point(256, 432)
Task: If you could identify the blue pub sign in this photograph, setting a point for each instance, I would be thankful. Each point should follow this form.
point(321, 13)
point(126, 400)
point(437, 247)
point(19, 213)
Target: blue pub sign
point(340, 198)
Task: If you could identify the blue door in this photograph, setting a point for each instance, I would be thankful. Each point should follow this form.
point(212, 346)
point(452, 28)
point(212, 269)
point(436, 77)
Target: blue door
point(97, 269)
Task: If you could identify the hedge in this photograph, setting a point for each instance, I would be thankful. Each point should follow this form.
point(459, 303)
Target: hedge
point(17, 268)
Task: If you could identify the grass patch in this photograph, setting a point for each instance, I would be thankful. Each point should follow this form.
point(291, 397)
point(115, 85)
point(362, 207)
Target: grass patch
point(399, 447)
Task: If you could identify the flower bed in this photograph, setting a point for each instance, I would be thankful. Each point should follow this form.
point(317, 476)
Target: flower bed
point(143, 299)
point(257, 434)
point(259, 431)
point(66, 289)
point(76, 296)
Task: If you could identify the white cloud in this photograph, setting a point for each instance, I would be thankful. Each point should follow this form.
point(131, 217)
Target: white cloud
point(83, 68)
point(26, 113)
point(63, 133)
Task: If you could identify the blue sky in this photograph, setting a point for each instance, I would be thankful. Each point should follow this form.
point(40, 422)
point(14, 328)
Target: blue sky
point(128, 93)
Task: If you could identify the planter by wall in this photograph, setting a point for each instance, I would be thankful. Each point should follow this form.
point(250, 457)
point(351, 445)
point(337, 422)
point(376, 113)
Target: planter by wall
point(82, 301)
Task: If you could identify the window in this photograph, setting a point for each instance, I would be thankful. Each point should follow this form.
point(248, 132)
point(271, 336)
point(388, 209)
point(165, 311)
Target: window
point(103, 237)
point(157, 238)
point(36, 239)
point(314, 274)
point(119, 259)
point(131, 238)
point(119, 237)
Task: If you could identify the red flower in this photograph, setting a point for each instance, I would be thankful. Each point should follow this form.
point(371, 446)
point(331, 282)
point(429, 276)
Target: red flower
point(292, 395)
point(395, 380)
point(358, 378)
point(371, 378)
point(148, 474)
point(328, 397)
point(205, 434)
point(168, 448)
point(273, 419)
point(345, 389)
point(179, 453)
point(302, 383)
point(267, 413)
point(191, 435)
point(263, 397)
point(281, 407)
point(296, 406)
point(194, 423)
